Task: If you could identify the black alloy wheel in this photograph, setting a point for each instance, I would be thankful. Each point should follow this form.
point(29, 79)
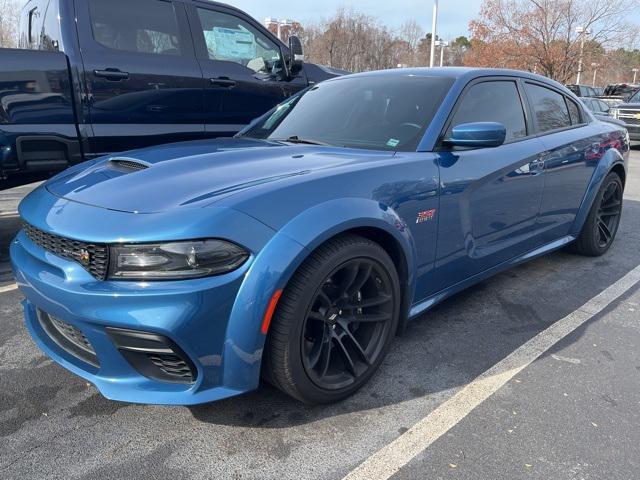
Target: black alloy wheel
point(609, 212)
point(347, 324)
point(602, 223)
point(334, 322)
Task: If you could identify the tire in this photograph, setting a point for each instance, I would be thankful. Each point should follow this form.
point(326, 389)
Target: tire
point(334, 322)
point(601, 225)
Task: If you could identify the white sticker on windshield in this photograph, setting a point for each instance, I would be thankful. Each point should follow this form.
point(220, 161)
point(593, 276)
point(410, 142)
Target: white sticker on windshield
point(393, 142)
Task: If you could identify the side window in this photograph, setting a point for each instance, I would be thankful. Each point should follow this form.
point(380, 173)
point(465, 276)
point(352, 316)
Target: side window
point(574, 112)
point(230, 39)
point(549, 108)
point(496, 101)
point(145, 26)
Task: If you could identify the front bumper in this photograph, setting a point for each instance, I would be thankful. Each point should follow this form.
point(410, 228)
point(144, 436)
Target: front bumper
point(634, 132)
point(194, 314)
point(215, 321)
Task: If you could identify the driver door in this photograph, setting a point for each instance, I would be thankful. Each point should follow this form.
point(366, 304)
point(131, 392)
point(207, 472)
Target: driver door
point(242, 66)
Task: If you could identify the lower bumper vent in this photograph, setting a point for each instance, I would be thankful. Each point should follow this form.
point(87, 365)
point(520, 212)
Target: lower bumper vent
point(69, 338)
point(154, 356)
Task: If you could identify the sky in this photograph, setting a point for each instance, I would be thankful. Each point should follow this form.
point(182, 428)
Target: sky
point(453, 16)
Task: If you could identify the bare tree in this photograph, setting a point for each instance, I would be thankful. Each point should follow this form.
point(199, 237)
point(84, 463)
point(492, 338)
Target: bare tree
point(541, 35)
point(356, 42)
point(9, 19)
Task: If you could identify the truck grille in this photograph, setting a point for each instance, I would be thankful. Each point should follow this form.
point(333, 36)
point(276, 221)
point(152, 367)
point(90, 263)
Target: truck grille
point(630, 117)
point(68, 337)
point(93, 257)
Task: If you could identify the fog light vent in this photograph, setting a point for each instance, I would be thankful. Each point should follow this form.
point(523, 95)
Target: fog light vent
point(154, 356)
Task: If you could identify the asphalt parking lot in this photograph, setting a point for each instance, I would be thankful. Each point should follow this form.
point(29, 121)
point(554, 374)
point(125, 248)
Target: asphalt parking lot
point(571, 413)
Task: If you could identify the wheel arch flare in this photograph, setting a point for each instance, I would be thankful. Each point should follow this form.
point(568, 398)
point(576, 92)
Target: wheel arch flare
point(276, 263)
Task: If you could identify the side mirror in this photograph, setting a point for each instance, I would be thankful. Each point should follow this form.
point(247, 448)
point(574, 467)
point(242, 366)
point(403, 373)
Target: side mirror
point(297, 55)
point(477, 135)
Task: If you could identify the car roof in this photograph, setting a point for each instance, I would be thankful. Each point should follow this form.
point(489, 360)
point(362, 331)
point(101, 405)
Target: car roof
point(458, 73)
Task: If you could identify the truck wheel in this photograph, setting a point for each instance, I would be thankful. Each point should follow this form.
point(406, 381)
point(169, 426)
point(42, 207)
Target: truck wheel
point(334, 322)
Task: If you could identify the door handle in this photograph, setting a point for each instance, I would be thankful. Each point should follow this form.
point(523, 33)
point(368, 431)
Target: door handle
point(223, 82)
point(111, 74)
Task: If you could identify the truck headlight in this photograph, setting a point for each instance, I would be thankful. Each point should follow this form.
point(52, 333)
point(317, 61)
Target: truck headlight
point(175, 260)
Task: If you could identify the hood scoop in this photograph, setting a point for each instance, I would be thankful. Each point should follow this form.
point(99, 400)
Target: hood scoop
point(126, 164)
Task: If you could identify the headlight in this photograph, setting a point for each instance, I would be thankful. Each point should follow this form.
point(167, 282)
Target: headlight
point(175, 260)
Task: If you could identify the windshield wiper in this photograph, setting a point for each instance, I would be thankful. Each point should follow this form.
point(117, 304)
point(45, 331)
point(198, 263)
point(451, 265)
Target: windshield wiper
point(307, 141)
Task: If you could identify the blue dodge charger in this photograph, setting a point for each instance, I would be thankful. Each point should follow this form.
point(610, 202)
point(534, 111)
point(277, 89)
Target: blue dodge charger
point(295, 251)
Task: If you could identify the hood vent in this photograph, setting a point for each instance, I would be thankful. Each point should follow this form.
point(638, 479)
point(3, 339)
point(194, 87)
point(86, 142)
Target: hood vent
point(127, 164)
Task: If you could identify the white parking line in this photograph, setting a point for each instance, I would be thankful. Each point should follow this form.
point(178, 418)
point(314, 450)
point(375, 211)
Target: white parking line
point(391, 458)
point(8, 288)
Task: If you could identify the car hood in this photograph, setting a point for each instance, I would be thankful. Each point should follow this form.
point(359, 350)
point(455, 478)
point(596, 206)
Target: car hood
point(629, 106)
point(194, 174)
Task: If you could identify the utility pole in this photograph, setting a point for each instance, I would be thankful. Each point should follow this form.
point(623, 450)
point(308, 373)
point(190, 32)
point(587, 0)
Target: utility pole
point(442, 44)
point(433, 33)
point(635, 71)
point(595, 72)
point(582, 31)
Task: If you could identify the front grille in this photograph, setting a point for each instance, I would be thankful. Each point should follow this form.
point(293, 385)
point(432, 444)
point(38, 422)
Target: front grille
point(629, 117)
point(93, 257)
point(172, 365)
point(68, 337)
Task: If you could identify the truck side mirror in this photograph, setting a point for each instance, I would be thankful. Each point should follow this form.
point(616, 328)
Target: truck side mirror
point(297, 55)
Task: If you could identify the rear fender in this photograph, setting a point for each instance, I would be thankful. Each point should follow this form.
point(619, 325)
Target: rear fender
point(610, 159)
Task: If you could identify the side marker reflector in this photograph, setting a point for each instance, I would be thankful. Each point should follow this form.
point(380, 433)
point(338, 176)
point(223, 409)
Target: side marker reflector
point(266, 321)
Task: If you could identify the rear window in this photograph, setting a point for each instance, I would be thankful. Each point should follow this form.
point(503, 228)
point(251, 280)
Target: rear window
point(145, 26)
point(549, 108)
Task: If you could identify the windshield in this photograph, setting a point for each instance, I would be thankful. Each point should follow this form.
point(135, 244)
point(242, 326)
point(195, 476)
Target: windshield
point(635, 98)
point(377, 112)
point(574, 89)
point(621, 90)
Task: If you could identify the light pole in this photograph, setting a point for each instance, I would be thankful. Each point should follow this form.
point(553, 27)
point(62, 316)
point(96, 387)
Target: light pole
point(582, 31)
point(442, 44)
point(433, 32)
point(595, 72)
point(635, 71)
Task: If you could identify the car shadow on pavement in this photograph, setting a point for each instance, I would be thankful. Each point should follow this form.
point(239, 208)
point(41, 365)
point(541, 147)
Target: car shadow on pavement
point(458, 340)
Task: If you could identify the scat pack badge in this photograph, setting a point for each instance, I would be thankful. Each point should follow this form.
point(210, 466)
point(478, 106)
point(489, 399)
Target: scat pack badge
point(426, 215)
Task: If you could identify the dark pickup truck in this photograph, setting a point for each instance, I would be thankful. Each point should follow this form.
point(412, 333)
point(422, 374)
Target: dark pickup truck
point(94, 77)
point(629, 113)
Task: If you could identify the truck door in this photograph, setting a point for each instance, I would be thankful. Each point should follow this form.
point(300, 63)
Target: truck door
point(242, 66)
point(144, 84)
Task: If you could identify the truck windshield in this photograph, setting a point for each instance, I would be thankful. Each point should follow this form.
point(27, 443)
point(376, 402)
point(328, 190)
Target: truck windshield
point(376, 112)
point(635, 98)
